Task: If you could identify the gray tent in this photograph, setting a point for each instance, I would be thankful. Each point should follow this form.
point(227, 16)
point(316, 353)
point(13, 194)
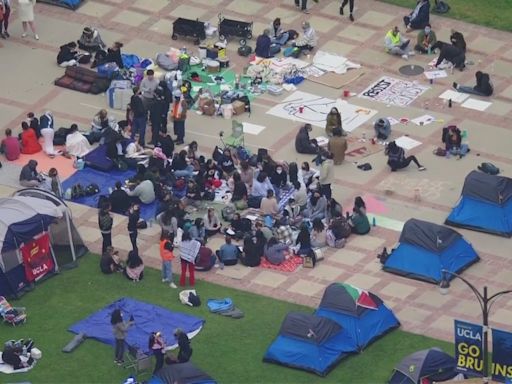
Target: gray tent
point(432, 364)
point(481, 186)
point(430, 236)
point(184, 373)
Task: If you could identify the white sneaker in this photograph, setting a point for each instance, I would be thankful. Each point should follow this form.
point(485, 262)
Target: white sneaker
point(412, 53)
point(165, 281)
point(36, 36)
point(23, 35)
point(172, 285)
point(405, 57)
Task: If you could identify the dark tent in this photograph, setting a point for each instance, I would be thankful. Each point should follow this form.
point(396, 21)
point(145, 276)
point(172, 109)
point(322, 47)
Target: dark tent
point(184, 373)
point(425, 249)
point(310, 343)
point(70, 4)
point(360, 313)
point(432, 364)
point(485, 205)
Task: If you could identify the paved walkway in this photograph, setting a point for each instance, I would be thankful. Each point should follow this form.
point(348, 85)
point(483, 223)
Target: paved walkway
point(144, 26)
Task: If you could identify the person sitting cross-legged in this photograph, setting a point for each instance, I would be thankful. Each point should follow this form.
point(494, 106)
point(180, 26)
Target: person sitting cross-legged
point(426, 39)
point(228, 253)
point(395, 44)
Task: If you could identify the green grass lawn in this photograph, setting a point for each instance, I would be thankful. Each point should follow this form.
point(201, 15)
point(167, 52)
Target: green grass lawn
point(495, 14)
point(230, 350)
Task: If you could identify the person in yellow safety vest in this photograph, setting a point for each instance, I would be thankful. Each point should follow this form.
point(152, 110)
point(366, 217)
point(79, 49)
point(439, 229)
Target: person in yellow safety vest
point(395, 44)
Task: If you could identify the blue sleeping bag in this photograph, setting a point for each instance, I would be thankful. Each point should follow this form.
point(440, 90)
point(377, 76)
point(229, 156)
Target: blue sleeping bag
point(130, 61)
point(71, 4)
point(220, 305)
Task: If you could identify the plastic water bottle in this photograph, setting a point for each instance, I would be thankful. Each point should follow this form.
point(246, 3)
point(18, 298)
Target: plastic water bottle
point(429, 49)
point(374, 222)
point(450, 103)
point(109, 189)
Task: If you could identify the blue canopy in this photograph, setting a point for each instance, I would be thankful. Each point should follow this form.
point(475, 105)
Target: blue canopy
point(426, 249)
point(311, 343)
point(485, 205)
point(148, 318)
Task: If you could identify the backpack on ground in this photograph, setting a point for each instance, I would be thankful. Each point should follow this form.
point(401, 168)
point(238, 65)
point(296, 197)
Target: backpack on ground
point(92, 189)
point(228, 212)
point(489, 168)
point(440, 7)
point(244, 50)
point(77, 191)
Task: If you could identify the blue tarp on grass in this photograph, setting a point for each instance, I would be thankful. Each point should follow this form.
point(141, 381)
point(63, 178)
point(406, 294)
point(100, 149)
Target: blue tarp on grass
point(104, 180)
point(148, 318)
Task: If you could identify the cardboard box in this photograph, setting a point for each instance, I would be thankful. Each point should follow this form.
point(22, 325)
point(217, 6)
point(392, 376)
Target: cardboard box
point(238, 107)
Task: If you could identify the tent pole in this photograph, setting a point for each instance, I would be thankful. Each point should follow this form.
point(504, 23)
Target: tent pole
point(70, 235)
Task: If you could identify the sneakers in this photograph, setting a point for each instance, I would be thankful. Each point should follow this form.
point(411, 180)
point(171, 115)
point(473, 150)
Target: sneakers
point(23, 35)
point(422, 168)
point(36, 36)
point(306, 11)
point(6, 34)
point(221, 265)
point(412, 53)
point(405, 57)
point(351, 17)
point(165, 281)
point(455, 85)
point(172, 285)
point(341, 11)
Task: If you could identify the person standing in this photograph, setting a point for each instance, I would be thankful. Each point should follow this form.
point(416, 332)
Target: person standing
point(133, 220)
point(327, 176)
point(4, 24)
point(148, 86)
point(189, 249)
point(120, 329)
point(337, 146)
point(350, 7)
point(179, 115)
point(139, 116)
point(303, 4)
point(105, 222)
point(157, 346)
point(26, 14)
point(167, 255)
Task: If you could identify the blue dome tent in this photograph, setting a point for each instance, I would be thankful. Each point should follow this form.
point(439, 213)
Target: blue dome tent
point(311, 343)
point(432, 364)
point(425, 249)
point(485, 205)
point(362, 314)
point(71, 4)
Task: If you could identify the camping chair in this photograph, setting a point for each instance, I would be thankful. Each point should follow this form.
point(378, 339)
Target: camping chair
point(236, 139)
point(138, 361)
point(12, 315)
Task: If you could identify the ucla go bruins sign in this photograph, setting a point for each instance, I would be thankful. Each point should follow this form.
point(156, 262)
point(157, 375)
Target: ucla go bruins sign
point(468, 348)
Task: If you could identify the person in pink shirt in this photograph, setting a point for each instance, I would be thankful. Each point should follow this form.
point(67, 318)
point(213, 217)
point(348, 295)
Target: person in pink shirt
point(10, 146)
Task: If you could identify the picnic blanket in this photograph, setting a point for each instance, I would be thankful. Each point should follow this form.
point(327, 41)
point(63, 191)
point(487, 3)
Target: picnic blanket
point(104, 180)
point(289, 265)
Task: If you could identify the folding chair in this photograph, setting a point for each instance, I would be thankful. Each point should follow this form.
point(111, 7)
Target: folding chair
point(236, 139)
point(138, 361)
point(12, 315)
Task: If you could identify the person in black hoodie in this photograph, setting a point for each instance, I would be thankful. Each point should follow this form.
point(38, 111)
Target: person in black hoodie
point(158, 110)
point(119, 199)
point(303, 144)
point(67, 55)
point(457, 39)
point(279, 178)
point(165, 142)
point(133, 220)
point(451, 53)
point(483, 85)
point(105, 222)
point(113, 55)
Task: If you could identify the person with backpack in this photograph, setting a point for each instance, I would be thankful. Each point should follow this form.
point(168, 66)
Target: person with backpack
point(397, 159)
point(167, 255)
point(483, 85)
point(105, 223)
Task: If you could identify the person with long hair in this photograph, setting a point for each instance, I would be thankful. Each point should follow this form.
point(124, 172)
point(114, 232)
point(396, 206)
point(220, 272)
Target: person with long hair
point(189, 249)
point(251, 255)
point(333, 121)
point(156, 344)
point(275, 251)
point(197, 231)
point(397, 159)
point(318, 234)
point(134, 266)
point(212, 222)
point(303, 240)
point(120, 329)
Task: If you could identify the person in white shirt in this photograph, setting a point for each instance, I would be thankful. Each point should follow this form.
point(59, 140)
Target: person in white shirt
point(145, 191)
point(308, 40)
point(300, 196)
point(135, 151)
point(147, 88)
point(76, 143)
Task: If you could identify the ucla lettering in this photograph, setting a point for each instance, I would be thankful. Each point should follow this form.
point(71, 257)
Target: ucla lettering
point(39, 270)
point(469, 334)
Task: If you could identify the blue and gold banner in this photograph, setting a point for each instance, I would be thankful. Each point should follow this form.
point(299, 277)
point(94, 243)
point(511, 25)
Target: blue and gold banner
point(501, 356)
point(468, 348)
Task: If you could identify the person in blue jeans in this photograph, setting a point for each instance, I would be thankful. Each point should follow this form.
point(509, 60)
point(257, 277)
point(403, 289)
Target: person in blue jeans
point(303, 4)
point(228, 253)
point(277, 35)
point(139, 118)
point(483, 85)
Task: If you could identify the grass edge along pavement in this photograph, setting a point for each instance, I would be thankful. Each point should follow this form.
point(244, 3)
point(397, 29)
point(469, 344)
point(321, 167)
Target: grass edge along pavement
point(230, 350)
point(493, 14)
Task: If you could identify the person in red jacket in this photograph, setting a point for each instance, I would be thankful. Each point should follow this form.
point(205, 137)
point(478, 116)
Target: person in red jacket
point(29, 143)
